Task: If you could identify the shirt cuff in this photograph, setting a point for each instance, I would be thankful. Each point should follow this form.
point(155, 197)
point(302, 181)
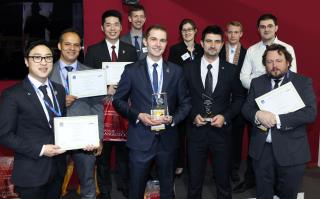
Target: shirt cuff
point(278, 122)
point(42, 150)
point(256, 121)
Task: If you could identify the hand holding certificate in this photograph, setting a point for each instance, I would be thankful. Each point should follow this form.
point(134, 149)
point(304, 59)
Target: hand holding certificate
point(76, 132)
point(276, 101)
point(114, 71)
point(87, 83)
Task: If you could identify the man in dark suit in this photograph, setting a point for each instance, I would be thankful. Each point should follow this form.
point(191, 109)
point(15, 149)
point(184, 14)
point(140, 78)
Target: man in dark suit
point(138, 82)
point(217, 97)
point(137, 17)
point(26, 126)
point(279, 153)
point(84, 159)
point(111, 49)
point(234, 53)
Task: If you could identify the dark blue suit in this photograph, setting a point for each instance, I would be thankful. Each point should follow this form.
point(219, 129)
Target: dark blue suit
point(144, 145)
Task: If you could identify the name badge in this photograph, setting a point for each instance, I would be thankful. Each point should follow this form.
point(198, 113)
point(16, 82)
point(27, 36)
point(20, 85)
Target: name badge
point(185, 56)
point(144, 50)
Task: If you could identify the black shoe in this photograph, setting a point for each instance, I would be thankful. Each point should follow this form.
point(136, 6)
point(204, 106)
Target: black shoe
point(243, 186)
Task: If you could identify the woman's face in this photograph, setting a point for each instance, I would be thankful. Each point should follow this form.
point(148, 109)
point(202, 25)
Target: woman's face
point(188, 32)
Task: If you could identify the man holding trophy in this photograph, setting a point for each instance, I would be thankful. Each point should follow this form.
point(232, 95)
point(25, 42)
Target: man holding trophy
point(216, 97)
point(158, 101)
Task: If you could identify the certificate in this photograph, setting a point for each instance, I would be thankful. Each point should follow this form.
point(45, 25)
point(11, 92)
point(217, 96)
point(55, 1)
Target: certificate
point(87, 83)
point(76, 132)
point(282, 100)
point(114, 71)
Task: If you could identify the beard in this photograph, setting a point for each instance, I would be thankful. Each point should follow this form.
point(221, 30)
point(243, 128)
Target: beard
point(276, 74)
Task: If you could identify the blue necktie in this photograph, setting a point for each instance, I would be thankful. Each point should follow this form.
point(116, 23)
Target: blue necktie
point(155, 78)
point(136, 43)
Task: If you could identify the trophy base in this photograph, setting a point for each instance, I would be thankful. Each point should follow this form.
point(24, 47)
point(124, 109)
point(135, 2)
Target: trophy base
point(207, 119)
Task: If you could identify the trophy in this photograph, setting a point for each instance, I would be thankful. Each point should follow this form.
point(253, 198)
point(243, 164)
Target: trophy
point(207, 103)
point(159, 109)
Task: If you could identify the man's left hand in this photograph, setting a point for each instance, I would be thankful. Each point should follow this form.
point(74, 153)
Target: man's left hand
point(217, 121)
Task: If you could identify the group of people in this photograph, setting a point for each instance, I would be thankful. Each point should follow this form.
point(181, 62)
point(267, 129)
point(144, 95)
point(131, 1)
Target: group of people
point(206, 88)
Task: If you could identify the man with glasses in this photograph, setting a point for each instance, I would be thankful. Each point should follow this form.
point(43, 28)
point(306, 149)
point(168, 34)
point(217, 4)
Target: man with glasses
point(26, 126)
point(137, 18)
point(84, 159)
point(111, 49)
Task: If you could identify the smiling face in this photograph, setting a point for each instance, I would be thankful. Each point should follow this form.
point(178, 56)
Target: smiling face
point(156, 43)
point(111, 28)
point(70, 47)
point(188, 32)
point(137, 19)
point(40, 71)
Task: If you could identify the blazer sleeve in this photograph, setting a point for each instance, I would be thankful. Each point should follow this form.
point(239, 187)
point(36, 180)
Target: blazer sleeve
point(250, 107)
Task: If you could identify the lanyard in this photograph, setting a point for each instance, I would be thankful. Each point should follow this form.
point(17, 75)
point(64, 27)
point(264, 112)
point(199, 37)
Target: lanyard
point(52, 109)
point(287, 75)
point(64, 79)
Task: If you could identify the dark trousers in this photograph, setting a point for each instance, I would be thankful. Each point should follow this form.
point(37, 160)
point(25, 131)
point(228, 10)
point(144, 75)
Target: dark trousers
point(238, 124)
point(197, 157)
point(140, 162)
point(104, 167)
point(268, 173)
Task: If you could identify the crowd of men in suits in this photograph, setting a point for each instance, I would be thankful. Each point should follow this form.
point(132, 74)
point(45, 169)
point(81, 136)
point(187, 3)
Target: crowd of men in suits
point(207, 85)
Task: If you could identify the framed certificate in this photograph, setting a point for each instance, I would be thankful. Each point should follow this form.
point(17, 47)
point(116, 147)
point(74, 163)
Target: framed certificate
point(114, 71)
point(88, 83)
point(76, 132)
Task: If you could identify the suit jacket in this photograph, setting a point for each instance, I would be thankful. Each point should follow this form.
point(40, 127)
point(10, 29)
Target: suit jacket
point(82, 106)
point(136, 85)
point(290, 142)
point(25, 129)
point(228, 85)
point(179, 49)
point(98, 53)
point(242, 55)
point(127, 38)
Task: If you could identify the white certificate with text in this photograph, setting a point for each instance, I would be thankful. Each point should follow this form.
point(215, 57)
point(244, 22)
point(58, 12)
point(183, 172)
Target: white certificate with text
point(76, 132)
point(114, 71)
point(87, 83)
point(282, 100)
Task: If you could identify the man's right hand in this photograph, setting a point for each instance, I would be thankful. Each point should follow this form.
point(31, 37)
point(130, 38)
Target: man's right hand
point(146, 120)
point(70, 99)
point(199, 121)
point(51, 150)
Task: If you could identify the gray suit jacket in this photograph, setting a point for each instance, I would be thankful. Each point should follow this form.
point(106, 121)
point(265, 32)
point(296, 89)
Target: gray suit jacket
point(82, 106)
point(127, 38)
point(290, 142)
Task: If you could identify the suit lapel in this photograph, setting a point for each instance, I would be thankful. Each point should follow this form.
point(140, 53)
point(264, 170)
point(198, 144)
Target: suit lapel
point(196, 68)
point(143, 71)
point(105, 50)
point(221, 77)
point(121, 52)
point(56, 76)
point(167, 75)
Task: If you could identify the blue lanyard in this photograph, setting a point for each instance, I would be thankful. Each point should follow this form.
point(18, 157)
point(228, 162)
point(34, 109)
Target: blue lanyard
point(56, 113)
point(160, 81)
point(64, 80)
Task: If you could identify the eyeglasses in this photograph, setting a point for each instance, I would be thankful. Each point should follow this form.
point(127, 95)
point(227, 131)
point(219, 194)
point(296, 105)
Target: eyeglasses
point(38, 59)
point(187, 30)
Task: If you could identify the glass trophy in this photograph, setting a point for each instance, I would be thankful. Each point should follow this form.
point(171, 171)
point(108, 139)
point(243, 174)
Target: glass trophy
point(207, 103)
point(159, 109)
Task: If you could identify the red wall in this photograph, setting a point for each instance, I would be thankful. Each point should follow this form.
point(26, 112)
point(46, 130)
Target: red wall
point(298, 26)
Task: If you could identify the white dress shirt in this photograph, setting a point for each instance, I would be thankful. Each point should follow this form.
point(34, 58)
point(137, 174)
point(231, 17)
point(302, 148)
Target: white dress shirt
point(214, 71)
point(110, 49)
point(252, 66)
point(159, 69)
point(232, 52)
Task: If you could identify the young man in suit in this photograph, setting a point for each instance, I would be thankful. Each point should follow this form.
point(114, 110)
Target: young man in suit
point(137, 18)
point(216, 96)
point(138, 82)
point(70, 46)
point(26, 126)
point(111, 49)
point(281, 150)
point(234, 53)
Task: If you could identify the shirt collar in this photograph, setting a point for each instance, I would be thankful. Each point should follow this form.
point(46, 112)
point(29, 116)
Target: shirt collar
point(275, 41)
point(63, 65)
point(109, 44)
point(215, 63)
point(37, 83)
point(150, 62)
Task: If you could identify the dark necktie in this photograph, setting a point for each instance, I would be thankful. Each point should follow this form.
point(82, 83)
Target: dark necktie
point(208, 81)
point(276, 83)
point(155, 78)
point(136, 43)
point(69, 69)
point(43, 89)
point(113, 54)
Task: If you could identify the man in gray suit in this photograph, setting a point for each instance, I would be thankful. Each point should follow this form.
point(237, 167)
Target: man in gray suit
point(281, 151)
point(137, 18)
point(84, 159)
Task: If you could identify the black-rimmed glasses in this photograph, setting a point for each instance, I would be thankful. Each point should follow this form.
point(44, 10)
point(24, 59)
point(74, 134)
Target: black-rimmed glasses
point(38, 59)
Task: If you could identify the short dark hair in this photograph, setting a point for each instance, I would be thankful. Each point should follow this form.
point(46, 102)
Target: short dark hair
point(156, 27)
point(280, 49)
point(111, 13)
point(69, 30)
point(212, 29)
point(31, 45)
point(136, 7)
point(185, 21)
point(266, 17)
